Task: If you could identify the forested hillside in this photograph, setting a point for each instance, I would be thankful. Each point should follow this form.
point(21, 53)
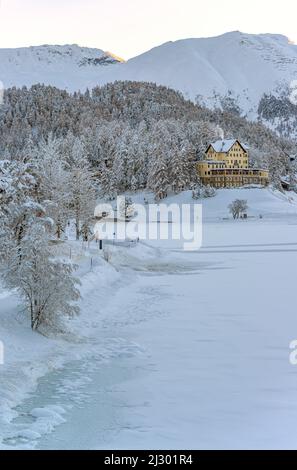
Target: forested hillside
point(133, 135)
point(279, 112)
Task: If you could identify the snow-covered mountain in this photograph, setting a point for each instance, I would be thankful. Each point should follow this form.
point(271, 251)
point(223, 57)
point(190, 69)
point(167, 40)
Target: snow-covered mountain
point(242, 65)
point(235, 65)
point(68, 67)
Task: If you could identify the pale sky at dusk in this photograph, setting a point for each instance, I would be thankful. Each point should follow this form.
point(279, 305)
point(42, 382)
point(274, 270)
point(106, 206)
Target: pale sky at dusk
point(129, 27)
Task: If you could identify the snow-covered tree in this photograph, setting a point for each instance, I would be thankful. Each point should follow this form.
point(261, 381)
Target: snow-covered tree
point(197, 191)
point(158, 179)
point(45, 283)
point(126, 208)
point(107, 182)
point(16, 187)
point(278, 168)
point(158, 174)
point(82, 194)
point(179, 170)
point(53, 183)
point(238, 207)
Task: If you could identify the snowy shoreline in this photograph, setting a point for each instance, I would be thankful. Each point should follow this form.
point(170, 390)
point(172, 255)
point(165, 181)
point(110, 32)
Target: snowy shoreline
point(47, 354)
point(18, 378)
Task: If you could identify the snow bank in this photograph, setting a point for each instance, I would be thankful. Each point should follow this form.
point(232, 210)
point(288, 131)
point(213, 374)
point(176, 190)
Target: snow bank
point(29, 356)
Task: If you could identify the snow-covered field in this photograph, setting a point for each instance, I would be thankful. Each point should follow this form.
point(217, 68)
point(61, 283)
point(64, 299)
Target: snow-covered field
point(173, 349)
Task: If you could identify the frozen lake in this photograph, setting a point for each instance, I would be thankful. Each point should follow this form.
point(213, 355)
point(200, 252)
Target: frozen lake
point(199, 352)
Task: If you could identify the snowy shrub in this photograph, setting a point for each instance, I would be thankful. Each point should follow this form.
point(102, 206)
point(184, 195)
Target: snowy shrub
point(209, 191)
point(200, 192)
point(197, 192)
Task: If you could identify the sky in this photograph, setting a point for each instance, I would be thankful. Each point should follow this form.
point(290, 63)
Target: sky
point(130, 27)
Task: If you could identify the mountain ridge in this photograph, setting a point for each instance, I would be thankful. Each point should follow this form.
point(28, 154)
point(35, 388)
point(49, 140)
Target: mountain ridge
point(233, 71)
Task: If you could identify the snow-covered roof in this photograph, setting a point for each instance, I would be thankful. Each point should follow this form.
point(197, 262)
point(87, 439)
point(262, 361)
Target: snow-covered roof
point(224, 146)
point(288, 180)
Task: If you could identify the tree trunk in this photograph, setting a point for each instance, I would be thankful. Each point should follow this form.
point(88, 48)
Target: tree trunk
point(35, 316)
point(58, 231)
point(77, 228)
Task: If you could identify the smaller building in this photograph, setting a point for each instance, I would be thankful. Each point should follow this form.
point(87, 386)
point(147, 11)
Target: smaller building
point(226, 165)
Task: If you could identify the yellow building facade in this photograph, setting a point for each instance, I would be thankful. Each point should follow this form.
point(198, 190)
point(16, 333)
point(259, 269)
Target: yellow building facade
point(226, 165)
